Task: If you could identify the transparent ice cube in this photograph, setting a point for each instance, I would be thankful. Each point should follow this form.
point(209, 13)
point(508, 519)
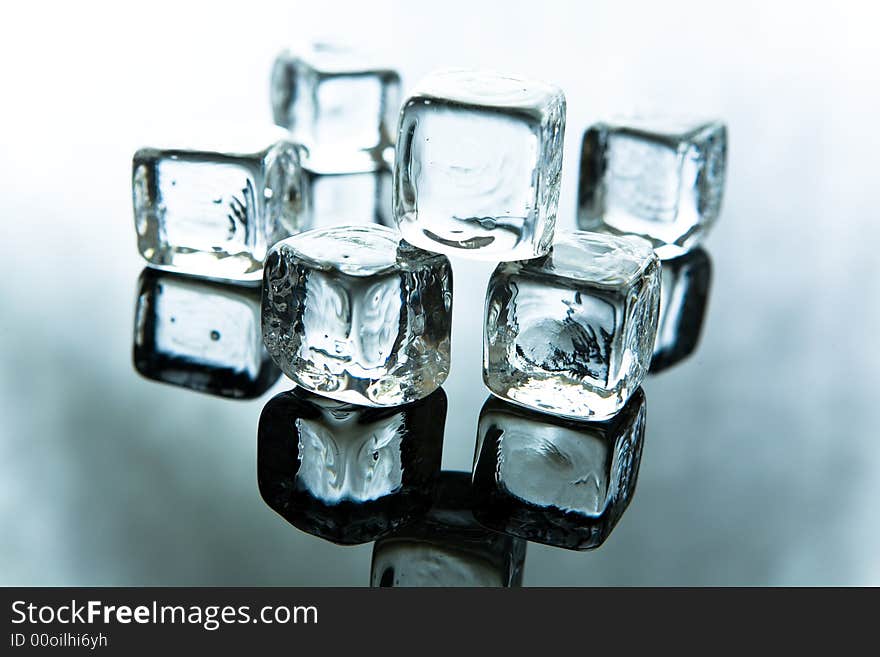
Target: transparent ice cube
point(552, 480)
point(216, 214)
point(684, 294)
point(477, 165)
point(660, 179)
point(350, 199)
point(338, 104)
point(348, 473)
point(572, 333)
point(201, 335)
point(357, 314)
point(447, 547)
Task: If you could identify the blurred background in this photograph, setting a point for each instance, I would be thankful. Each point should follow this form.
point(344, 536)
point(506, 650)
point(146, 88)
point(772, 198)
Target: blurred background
point(762, 460)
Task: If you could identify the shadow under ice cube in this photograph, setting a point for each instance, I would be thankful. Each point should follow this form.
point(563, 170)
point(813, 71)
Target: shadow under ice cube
point(347, 473)
point(572, 333)
point(341, 107)
point(201, 335)
point(556, 481)
point(357, 314)
point(447, 547)
point(477, 165)
point(216, 214)
point(661, 180)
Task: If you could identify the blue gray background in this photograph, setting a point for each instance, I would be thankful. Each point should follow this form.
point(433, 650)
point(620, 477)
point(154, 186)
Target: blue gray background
point(762, 459)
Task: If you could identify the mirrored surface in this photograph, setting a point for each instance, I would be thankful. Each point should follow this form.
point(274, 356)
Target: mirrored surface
point(556, 481)
point(684, 294)
point(349, 473)
point(448, 547)
point(201, 335)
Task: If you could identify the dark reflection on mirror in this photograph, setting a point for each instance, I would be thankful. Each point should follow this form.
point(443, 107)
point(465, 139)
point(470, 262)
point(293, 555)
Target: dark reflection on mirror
point(448, 547)
point(201, 335)
point(349, 474)
point(684, 294)
point(555, 481)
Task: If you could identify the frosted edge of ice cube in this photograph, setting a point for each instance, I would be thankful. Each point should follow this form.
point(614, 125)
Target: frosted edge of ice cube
point(367, 250)
point(598, 259)
point(335, 58)
point(210, 136)
point(488, 88)
point(673, 128)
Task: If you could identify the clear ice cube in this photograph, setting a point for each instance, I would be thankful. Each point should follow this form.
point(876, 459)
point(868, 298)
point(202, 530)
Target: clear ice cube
point(552, 480)
point(201, 335)
point(477, 165)
point(447, 547)
point(357, 314)
point(337, 104)
point(572, 333)
point(348, 473)
point(660, 179)
point(684, 294)
point(350, 199)
point(216, 214)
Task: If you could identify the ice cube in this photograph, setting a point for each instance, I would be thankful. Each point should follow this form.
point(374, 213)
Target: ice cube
point(684, 293)
point(350, 199)
point(552, 480)
point(357, 314)
point(477, 165)
point(216, 214)
point(347, 473)
point(447, 547)
point(658, 178)
point(339, 104)
point(572, 333)
point(201, 335)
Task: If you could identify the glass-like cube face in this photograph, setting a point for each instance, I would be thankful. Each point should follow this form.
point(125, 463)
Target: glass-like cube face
point(661, 180)
point(350, 198)
point(447, 547)
point(556, 481)
point(356, 314)
point(684, 294)
point(477, 167)
point(572, 333)
point(216, 214)
point(341, 109)
point(348, 473)
point(201, 335)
